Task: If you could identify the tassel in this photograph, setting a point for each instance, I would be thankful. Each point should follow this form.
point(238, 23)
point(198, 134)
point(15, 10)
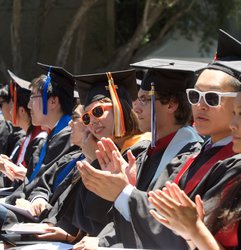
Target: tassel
point(119, 123)
point(13, 94)
point(153, 116)
point(45, 92)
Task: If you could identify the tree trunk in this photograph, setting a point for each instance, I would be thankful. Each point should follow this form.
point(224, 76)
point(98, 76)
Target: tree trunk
point(79, 47)
point(68, 36)
point(152, 13)
point(15, 35)
point(44, 9)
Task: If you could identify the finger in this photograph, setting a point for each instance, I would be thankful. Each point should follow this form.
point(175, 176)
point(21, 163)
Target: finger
point(110, 145)
point(171, 191)
point(199, 206)
point(100, 159)
point(5, 157)
point(184, 199)
point(161, 205)
point(117, 166)
point(9, 174)
point(91, 177)
point(47, 236)
point(104, 153)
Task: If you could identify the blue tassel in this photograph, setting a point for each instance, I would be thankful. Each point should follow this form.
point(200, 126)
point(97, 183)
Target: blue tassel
point(45, 92)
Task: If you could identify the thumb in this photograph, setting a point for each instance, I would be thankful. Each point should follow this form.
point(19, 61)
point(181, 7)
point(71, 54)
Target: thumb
point(131, 158)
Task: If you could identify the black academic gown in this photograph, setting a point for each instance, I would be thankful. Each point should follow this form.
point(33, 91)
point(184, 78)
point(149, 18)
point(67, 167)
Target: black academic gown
point(10, 137)
point(91, 212)
point(151, 234)
point(58, 145)
point(45, 186)
point(31, 158)
point(141, 232)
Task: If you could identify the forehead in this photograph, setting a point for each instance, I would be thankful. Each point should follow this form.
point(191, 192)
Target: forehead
point(92, 105)
point(213, 80)
point(142, 92)
point(35, 90)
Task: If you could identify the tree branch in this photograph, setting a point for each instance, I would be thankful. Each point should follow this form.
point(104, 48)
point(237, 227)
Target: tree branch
point(152, 12)
point(68, 36)
point(173, 20)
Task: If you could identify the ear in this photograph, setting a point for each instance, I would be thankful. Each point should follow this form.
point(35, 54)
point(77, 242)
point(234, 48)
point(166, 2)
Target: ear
point(21, 111)
point(53, 102)
point(172, 106)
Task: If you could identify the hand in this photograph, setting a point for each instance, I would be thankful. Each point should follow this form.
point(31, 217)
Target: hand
point(55, 234)
point(87, 243)
point(14, 172)
point(114, 162)
point(175, 210)
point(2, 160)
point(22, 203)
point(103, 183)
point(5, 157)
point(38, 206)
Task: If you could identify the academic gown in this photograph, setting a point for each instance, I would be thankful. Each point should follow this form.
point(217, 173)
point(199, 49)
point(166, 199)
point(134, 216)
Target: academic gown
point(91, 212)
point(151, 234)
point(216, 180)
point(10, 137)
point(31, 156)
point(57, 146)
point(141, 233)
point(46, 189)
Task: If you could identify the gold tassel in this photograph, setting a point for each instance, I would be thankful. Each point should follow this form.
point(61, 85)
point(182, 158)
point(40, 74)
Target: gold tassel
point(119, 123)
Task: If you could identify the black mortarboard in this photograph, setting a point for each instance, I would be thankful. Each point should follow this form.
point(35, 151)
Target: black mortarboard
point(93, 87)
point(20, 93)
point(59, 78)
point(115, 85)
point(229, 48)
point(228, 57)
point(168, 74)
point(233, 68)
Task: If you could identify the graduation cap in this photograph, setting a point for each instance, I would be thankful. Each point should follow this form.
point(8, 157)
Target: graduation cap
point(169, 74)
point(228, 57)
point(20, 93)
point(57, 78)
point(166, 75)
point(232, 68)
point(229, 48)
point(114, 85)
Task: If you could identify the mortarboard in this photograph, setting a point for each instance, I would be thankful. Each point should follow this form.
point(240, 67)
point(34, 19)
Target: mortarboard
point(233, 68)
point(20, 93)
point(58, 78)
point(93, 87)
point(166, 75)
point(114, 85)
point(228, 48)
point(228, 57)
point(20, 82)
